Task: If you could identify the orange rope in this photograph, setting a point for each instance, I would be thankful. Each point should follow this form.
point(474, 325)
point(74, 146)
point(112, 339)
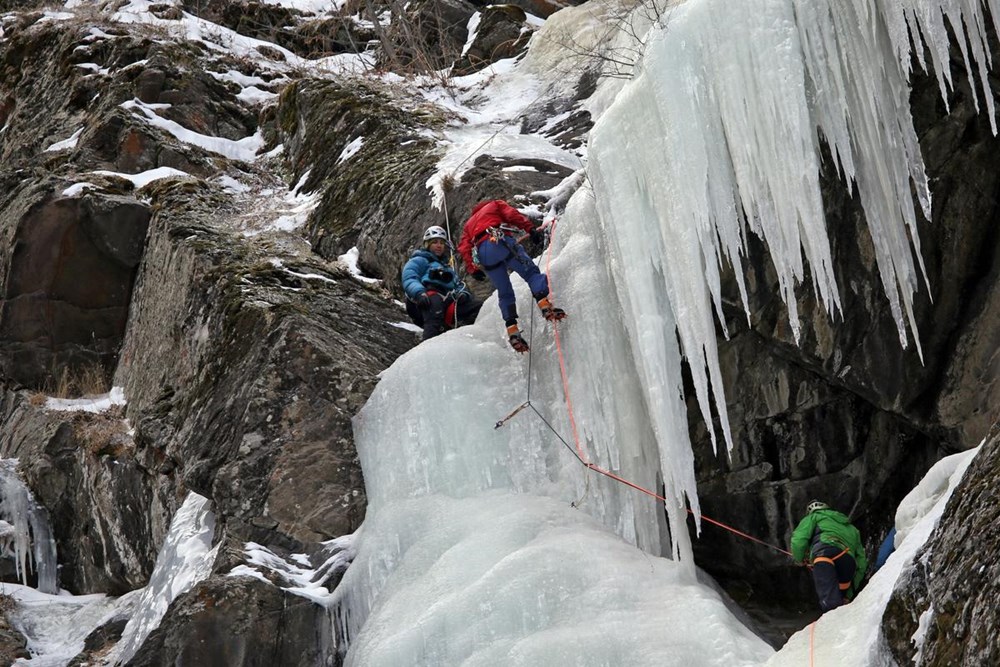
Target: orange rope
point(562, 361)
point(581, 455)
point(812, 631)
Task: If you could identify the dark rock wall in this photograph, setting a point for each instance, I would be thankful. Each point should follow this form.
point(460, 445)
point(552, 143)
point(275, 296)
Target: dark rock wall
point(500, 34)
point(304, 35)
point(378, 200)
point(66, 292)
point(107, 518)
point(242, 377)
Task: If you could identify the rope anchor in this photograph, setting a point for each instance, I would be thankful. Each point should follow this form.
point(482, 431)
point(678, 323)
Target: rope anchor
point(506, 419)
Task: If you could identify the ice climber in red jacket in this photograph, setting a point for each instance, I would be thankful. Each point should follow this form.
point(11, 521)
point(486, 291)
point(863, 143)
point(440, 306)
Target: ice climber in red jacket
point(491, 249)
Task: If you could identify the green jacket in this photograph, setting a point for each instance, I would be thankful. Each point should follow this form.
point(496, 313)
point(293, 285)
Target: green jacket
point(834, 528)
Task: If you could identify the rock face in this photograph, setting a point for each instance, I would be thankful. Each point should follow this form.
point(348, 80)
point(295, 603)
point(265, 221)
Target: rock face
point(81, 468)
point(303, 34)
point(13, 644)
point(244, 356)
point(239, 621)
point(317, 121)
point(848, 416)
point(948, 597)
point(501, 33)
point(267, 362)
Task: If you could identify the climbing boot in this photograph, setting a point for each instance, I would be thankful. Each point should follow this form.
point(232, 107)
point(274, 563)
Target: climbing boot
point(516, 341)
point(550, 312)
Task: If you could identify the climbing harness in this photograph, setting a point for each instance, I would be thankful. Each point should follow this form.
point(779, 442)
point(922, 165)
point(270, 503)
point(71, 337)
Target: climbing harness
point(831, 561)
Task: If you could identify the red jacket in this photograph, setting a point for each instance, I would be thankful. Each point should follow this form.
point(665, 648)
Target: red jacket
point(485, 215)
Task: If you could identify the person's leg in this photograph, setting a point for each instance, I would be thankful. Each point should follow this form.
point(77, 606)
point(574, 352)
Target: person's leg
point(413, 310)
point(505, 292)
point(495, 257)
point(824, 573)
point(434, 316)
point(467, 308)
point(846, 567)
point(521, 263)
point(538, 282)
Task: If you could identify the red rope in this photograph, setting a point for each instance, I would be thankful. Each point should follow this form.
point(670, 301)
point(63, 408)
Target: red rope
point(576, 436)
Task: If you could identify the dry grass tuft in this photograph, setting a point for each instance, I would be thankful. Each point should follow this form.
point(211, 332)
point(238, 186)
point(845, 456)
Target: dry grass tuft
point(86, 380)
point(448, 182)
point(104, 435)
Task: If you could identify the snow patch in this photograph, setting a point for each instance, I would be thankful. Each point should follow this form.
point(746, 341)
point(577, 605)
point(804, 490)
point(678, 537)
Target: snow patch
point(350, 261)
point(101, 403)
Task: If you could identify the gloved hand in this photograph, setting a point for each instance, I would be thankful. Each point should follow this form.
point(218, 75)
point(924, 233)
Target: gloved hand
point(478, 275)
point(423, 300)
point(537, 235)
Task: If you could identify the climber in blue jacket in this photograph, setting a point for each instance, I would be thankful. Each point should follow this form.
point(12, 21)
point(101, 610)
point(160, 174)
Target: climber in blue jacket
point(435, 298)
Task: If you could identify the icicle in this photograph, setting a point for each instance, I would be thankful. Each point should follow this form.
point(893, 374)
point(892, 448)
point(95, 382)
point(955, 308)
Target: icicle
point(927, 27)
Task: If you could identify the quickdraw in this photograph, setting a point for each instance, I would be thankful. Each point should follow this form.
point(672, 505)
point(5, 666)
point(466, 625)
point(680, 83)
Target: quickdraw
point(503, 421)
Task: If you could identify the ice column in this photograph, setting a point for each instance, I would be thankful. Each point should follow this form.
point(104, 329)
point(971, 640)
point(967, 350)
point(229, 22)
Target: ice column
point(27, 535)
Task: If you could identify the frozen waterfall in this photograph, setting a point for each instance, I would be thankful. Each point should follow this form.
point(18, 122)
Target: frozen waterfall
point(488, 546)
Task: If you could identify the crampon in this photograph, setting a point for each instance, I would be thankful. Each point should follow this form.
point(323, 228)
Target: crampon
point(553, 314)
point(518, 343)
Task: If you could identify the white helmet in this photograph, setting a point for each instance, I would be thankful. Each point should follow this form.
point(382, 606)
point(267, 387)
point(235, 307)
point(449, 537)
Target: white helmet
point(435, 232)
point(816, 505)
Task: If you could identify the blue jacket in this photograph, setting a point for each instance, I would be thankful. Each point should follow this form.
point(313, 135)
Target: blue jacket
point(884, 551)
point(417, 274)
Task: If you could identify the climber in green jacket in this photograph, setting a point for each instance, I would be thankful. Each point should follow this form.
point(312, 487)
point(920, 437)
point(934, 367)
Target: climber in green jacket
point(826, 540)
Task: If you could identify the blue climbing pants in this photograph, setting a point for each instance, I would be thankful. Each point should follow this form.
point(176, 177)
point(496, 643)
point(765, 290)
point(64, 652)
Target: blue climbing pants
point(497, 258)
